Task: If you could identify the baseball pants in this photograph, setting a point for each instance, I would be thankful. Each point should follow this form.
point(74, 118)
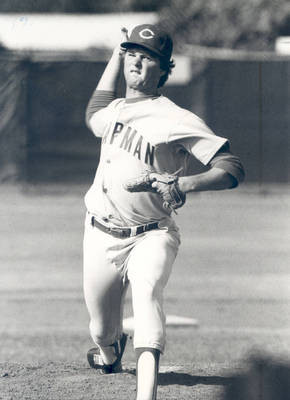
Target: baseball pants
point(110, 264)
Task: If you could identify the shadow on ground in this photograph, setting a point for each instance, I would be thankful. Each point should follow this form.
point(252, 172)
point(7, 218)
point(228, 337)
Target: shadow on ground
point(181, 378)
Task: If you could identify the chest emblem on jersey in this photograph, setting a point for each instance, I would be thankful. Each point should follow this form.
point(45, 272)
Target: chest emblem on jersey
point(128, 139)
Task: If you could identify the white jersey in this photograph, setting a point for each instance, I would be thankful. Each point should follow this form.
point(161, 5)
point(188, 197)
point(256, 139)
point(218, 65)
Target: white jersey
point(137, 136)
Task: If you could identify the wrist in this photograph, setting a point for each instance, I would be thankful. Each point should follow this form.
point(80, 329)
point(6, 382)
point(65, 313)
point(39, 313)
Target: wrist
point(186, 185)
point(119, 53)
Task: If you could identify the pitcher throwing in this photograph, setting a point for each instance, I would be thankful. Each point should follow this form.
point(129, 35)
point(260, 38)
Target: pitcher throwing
point(130, 234)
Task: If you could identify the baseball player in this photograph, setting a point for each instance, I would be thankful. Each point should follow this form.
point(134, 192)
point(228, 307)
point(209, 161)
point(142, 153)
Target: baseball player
point(130, 234)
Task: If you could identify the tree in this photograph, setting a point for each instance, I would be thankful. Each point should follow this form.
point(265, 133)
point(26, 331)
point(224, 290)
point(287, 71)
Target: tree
point(247, 24)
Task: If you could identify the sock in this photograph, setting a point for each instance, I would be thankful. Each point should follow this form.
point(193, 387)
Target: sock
point(147, 372)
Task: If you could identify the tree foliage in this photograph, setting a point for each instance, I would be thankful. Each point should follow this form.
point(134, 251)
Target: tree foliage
point(247, 24)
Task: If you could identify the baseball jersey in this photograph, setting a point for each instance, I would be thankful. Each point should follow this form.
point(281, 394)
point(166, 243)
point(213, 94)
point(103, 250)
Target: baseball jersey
point(152, 134)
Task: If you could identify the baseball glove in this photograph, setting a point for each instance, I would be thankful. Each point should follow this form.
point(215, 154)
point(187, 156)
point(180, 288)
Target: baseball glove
point(165, 185)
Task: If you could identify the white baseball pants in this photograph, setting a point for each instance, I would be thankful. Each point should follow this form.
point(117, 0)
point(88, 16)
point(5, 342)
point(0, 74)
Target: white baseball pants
point(145, 261)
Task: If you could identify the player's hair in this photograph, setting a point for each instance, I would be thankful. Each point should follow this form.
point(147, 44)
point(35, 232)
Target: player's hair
point(167, 66)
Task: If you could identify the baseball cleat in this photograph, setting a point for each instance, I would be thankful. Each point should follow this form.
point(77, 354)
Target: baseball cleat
point(95, 360)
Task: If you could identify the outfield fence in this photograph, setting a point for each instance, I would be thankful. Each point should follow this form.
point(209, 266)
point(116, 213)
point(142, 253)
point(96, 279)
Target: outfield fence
point(43, 137)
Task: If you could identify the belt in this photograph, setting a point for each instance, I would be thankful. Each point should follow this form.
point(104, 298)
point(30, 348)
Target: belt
point(122, 233)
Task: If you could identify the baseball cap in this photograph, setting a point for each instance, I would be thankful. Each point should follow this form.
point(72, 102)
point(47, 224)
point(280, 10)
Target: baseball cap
point(150, 37)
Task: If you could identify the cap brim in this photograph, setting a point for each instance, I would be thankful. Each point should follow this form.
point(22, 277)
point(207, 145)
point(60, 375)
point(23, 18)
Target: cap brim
point(127, 45)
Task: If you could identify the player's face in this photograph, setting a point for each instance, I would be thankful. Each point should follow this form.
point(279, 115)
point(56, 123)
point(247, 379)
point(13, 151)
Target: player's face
point(142, 70)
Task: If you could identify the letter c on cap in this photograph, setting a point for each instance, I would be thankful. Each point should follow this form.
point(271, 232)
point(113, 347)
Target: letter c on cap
point(146, 34)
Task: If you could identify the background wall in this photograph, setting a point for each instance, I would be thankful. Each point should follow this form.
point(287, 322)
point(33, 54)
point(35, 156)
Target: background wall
point(46, 138)
point(249, 102)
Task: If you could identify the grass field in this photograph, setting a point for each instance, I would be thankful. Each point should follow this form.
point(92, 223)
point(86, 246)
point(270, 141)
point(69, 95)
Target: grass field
point(232, 274)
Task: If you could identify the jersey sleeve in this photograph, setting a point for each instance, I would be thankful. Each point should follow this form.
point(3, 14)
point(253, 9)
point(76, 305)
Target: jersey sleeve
point(99, 100)
point(102, 118)
point(230, 163)
point(197, 138)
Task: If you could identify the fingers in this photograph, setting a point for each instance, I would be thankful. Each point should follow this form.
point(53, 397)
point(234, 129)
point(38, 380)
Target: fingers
point(124, 38)
point(124, 34)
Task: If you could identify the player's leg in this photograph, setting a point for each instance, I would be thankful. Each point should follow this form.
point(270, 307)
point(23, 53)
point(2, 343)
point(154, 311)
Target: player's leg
point(147, 366)
point(104, 292)
point(149, 267)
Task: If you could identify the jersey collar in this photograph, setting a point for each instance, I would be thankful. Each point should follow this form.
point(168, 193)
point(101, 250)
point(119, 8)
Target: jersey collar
point(137, 99)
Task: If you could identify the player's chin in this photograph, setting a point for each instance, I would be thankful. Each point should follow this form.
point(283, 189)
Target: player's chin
point(134, 81)
point(135, 85)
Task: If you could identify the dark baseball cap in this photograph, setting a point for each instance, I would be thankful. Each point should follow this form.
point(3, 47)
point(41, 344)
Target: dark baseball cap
point(150, 37)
